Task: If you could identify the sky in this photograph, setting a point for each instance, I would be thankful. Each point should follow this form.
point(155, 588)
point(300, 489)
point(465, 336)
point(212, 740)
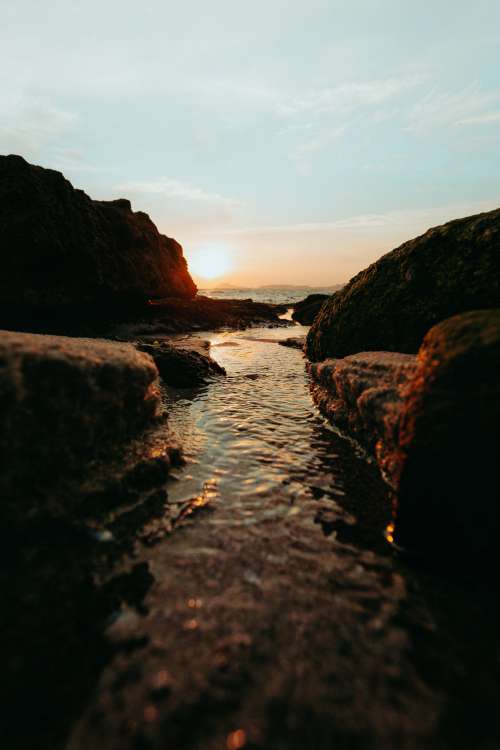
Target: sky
point(279, 141)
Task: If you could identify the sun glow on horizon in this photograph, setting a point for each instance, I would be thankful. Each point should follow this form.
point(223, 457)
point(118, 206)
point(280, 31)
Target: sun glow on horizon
point(210, 261)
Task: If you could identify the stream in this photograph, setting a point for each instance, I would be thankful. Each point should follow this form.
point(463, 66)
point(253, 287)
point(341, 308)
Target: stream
point(278, 617)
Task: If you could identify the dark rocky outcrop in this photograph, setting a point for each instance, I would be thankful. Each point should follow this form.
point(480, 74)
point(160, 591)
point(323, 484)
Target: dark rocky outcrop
point(363, 395)
point(294, 342)
point(201, 313)
point(448, 486)
point(181, 367)
point(306, 310)
point(62, 249)
point(393, 303)
point(65, 402)
point(431, 421)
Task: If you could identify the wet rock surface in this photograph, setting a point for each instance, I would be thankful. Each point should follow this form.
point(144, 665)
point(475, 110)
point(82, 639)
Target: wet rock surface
point(63, 249)
point(363, 395)
point(306, 310)
point(204, 313)
point(448, 440)
point(391, 305)
point(68, 566)
point(64, 403)
point(295, 342)
point(179, 366)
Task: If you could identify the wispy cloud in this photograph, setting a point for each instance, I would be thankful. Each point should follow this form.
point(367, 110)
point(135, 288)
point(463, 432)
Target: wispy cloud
point(302, 153)
point(485, 119)
point(30, 129)
point(364, 221)
point(347, 96)
point(371, 221)
point(230, 88)
point(171, 188)
point(331, 112)
point(437, 109)
point(323, 140)
point(40, 132)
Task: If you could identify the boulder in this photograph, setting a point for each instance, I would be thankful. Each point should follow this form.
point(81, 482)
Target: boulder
point(65, 402)
point(363, 395)
point(60, 248)
point(306, 310)
point(393, 303)
point(448, 500)
point(294, 342)
point(431, 421)
point(181, 367)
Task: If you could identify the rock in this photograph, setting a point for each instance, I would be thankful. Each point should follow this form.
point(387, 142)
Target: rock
point(448, 501)
point(363, 396)
point(201, 313)
point(294, 342)
point(306, 310)
point(64, 403)
point(181, 367)
point(393, 303)
point(431, 421)
point(63, 249)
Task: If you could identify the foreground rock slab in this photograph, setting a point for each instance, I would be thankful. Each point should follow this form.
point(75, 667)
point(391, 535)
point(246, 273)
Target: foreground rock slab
point(391, 305)
point(64, 402)
point(64, 249)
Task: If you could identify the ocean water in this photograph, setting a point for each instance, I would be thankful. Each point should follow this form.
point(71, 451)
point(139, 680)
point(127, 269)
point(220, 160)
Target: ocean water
point(281, 295)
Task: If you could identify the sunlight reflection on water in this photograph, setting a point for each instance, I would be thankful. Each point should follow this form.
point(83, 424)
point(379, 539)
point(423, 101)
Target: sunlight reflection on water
point(256, 434)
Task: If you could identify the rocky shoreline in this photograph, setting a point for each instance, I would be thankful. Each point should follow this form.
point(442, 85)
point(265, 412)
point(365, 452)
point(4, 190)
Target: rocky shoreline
point(90, 293)
point(95, 309)
point(425, 403)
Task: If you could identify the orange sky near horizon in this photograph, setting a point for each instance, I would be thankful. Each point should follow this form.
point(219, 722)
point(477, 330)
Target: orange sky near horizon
point(321, 254)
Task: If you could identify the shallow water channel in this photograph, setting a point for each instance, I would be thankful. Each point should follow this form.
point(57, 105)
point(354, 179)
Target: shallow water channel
point(255, 445)
point(277, 616)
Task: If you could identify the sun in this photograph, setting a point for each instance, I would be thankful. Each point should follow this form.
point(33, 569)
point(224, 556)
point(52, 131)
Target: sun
point(211, 260)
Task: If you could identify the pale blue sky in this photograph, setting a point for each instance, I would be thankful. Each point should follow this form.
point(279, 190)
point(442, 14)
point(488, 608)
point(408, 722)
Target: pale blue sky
point(304, 138)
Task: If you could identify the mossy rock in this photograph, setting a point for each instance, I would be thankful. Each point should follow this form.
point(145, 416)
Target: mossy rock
point(392, 304)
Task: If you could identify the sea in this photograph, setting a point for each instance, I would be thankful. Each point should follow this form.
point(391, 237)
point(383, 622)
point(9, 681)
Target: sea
point(281, 295)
